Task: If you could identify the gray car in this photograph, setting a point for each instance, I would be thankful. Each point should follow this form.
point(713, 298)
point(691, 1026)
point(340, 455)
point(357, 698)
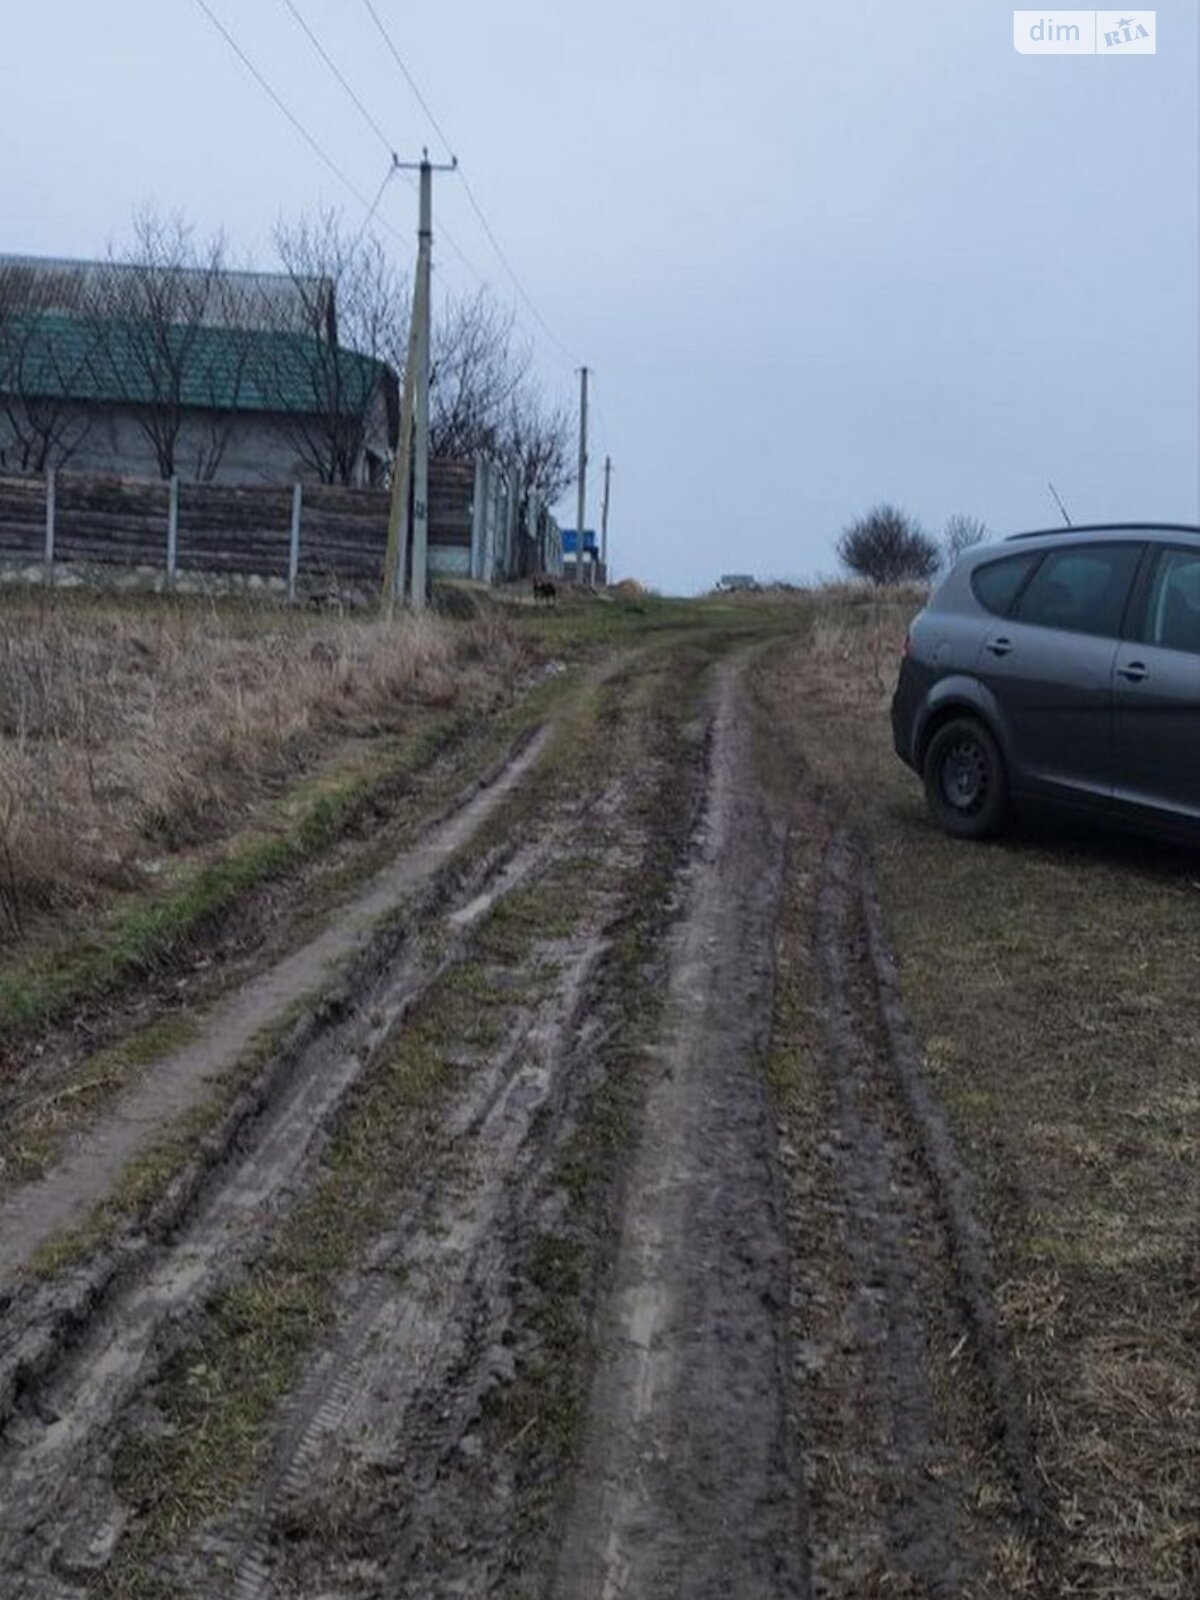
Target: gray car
point(1059, 669)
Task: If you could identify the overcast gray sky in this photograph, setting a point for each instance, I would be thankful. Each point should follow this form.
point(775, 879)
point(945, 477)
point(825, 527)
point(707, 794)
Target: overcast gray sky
point(819, 255)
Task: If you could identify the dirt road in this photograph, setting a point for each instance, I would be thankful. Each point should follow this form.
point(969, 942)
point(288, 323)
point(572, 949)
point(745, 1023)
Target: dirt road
point(562, 1247)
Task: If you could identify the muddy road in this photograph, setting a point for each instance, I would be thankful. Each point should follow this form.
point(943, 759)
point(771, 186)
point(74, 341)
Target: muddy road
point(577, 1222)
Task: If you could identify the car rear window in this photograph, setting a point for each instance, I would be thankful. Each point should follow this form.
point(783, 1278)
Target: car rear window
point(997, 583)
point(1081, 589)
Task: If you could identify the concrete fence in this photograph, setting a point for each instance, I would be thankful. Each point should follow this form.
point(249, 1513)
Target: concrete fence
point(286, 537)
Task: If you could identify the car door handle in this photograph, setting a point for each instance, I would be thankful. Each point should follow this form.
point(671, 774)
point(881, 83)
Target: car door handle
point(1134, 672)
point(998, 647)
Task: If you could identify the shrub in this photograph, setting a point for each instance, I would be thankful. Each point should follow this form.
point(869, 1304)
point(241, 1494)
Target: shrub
point(888, 546)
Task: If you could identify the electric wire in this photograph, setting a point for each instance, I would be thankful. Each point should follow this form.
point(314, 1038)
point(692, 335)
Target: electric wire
point(379, 133)
point(389, 147)
point(408, 78)
point(370, 207)
point(308, 138)
point(370, 216)
point(341, 78)
point(473, 201)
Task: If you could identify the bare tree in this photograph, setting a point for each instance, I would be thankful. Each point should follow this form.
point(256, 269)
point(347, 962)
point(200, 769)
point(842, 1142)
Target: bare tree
point(476, 373)
point(888, 546)
point(484, 400)
point(152, 311)
point(962, 532)
point(340, 344)
point(227, 360)
point(536, 440)
point(42, 359)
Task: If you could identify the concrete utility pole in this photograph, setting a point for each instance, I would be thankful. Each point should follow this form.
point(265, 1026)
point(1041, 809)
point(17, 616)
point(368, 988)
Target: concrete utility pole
point(410, 479)
point(604, 515)
point(583, 460)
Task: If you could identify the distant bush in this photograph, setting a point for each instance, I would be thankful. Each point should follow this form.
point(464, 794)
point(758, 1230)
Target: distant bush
point(962, 532)
point(888, 546)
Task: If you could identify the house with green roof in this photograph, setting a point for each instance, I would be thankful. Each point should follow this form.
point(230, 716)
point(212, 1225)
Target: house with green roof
point(100, 381)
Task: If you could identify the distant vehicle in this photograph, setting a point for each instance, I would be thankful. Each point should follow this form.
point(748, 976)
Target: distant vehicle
point(731, 582)
point(1059, 669)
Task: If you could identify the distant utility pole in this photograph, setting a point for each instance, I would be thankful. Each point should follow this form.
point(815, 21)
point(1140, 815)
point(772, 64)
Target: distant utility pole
point(604, 516)
point(583, 460)
point(410, 478)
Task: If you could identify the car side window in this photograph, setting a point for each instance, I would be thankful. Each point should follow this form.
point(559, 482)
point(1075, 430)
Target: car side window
point(1081, 589)
point(1173, 605)
point(996, 584)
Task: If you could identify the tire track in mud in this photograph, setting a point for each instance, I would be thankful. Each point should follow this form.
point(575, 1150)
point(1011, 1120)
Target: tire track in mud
point(54, 1493)
point(385, 1435)
point(689, 1483)
point(40, 1321)
point(34, 1212)
point(922, 1443)
point(399, 1386)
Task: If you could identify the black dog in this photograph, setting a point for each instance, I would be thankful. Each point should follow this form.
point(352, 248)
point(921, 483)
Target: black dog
point(544, 589)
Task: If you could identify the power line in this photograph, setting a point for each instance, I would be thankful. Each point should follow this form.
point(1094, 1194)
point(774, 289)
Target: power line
point(379, 133)
point(370, 207)
point(604, 434)
point(341, 78)
point(370, 216)
point(510, 269)
point(469, 192)
point(408, 78)
point(282, 106)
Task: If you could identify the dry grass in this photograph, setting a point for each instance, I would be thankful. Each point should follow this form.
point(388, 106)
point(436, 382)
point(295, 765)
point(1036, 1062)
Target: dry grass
point(131, 729)
point(1052, 977)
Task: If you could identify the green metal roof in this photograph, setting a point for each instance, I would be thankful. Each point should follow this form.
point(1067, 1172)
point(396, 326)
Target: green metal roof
point(225, 369)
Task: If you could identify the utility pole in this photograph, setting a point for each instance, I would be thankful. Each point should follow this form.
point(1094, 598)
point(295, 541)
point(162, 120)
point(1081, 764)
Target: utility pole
point(410, 480)
point(583, 460)
point(604, 515)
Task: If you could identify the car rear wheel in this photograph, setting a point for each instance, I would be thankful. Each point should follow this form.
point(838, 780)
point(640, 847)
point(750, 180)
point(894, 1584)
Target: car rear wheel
point(964, 780)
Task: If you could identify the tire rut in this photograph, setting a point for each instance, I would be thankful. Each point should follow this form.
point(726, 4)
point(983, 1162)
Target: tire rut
point(53, 1475)
point(923, 1438)
point(689, 1483)
point(32, 1213)
point(402, 1354)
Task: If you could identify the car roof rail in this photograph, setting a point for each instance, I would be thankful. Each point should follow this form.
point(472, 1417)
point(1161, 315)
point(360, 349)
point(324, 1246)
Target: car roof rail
point(1108, 527)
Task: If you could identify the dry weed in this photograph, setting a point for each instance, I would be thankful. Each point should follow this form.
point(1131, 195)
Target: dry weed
point(126, 729)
